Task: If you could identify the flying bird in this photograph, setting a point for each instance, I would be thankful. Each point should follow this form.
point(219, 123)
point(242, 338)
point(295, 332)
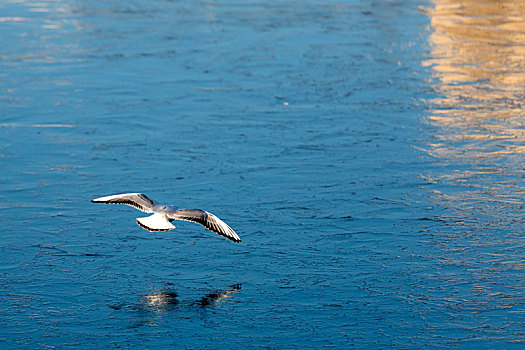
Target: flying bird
point(163, 215)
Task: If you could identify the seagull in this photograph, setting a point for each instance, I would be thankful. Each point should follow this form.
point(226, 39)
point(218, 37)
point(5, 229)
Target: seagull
point(163, 215)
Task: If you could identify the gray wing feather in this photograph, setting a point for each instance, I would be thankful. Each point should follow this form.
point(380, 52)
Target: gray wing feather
point(136, 200)
point(208, 220)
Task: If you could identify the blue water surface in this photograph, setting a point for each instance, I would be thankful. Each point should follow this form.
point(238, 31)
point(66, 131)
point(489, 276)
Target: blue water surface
point(368, 153)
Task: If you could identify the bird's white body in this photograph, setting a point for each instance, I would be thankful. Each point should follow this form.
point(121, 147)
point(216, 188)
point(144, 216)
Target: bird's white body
point(163, 215)
point(155, 222)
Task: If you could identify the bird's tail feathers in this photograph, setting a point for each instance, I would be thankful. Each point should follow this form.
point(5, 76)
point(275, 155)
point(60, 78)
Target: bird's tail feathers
point(155, 222)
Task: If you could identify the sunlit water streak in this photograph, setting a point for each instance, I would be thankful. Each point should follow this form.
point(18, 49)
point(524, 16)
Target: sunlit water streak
point(370, 155)
point(477, 61)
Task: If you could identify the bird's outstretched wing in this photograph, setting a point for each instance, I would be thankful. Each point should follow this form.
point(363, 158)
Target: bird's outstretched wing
point(208, 220)
point(137, 200)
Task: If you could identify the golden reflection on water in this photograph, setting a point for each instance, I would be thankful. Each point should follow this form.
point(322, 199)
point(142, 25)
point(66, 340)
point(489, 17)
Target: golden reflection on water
point(477, 56)
point(477, 60)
